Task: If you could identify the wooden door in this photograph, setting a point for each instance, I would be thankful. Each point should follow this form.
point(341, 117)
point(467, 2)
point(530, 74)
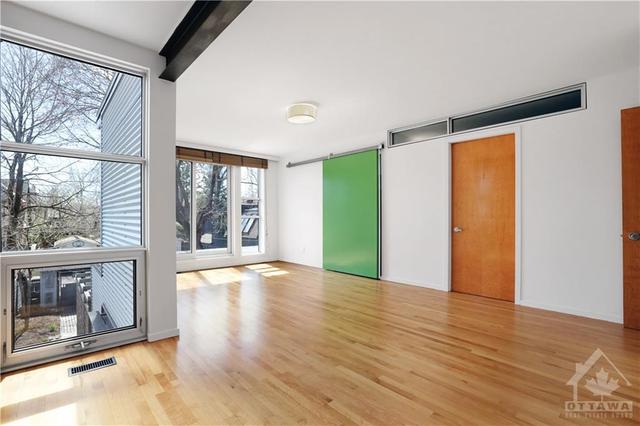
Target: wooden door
point(631, 215)
point(483, 217)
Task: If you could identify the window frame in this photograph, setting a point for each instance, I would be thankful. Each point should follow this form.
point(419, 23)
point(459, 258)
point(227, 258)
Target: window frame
point(193, 252)
point(10, 260)
point(234, 218)
point(188, 253)
point(60, 349)
point(581, 87)
point(69, 153)
point(194, 215)
point(259, 249)
point(75, 54)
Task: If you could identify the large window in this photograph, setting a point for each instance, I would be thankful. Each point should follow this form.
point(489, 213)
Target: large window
point(183, 206)
point(212, 206)
point(251, 221)
point(207, 223)
point(71, 185)
point(60, 202)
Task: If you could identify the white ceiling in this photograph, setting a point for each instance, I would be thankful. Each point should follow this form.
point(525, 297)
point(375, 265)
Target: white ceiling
point(145, 23)
point(371, 66)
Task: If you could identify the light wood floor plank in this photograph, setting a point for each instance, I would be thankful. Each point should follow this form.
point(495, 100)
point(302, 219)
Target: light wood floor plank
point(279, 344)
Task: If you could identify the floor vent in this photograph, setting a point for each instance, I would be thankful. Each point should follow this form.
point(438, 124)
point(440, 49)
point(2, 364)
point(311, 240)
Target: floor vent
point(96, 365)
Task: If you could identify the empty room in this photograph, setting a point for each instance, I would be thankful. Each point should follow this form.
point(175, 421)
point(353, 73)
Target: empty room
point(319, 212)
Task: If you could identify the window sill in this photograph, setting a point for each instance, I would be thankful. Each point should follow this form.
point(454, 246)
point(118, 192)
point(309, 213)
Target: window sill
point(205, 255)
point(251, 252)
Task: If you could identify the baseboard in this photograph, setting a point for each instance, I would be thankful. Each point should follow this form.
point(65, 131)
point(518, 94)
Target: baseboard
point(571, 311)
point(189, 265)
point(403, 282)
point(164, 334)
point(297, 262)
point(531, 304)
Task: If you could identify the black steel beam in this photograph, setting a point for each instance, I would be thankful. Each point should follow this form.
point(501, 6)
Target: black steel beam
point(202, 24)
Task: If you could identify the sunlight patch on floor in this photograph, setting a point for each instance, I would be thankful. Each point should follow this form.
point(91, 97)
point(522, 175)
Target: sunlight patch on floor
point(275, 273)
point(64, 415)
point(208, 277)
point(259, 266)
point(267, 270)
point(20, 388)
point(221, 276)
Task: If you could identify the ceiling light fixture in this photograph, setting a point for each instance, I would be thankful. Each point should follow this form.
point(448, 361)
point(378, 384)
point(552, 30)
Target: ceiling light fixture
point(302, 113)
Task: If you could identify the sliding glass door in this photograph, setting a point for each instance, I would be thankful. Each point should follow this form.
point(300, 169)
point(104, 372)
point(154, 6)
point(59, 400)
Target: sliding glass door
point(72, 169)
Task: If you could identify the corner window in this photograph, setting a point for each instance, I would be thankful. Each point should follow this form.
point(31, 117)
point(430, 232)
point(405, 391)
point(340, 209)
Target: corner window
point(220, 204)
point(71, 184)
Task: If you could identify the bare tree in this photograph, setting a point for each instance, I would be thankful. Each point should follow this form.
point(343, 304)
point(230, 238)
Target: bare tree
point(210, 199)
point(211, 202)
point(183, 201)
point(45, 99)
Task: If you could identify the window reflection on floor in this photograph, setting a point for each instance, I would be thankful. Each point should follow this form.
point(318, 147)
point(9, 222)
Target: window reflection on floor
point(267, 270)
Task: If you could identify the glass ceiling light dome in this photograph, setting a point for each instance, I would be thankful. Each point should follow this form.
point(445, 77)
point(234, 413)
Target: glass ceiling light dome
point(303, 113)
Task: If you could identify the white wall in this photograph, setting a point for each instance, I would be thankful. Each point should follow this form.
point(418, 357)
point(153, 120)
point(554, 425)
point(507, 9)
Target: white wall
point(571, 207)
point(300, 224)
point(161, 284)
point(572, 204)
point(271, 231)
point(413, 193)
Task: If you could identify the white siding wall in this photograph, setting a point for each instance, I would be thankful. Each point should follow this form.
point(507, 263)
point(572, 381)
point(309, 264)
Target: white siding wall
point(120, 198)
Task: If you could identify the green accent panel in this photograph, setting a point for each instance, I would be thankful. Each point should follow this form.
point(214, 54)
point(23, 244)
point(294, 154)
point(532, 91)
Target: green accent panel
point(350, 214)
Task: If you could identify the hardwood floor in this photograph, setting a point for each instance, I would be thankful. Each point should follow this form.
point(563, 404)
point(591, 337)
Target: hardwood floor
point(286, 344)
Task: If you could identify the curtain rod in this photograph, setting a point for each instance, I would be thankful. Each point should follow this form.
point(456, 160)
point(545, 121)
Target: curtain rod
point(332, 155)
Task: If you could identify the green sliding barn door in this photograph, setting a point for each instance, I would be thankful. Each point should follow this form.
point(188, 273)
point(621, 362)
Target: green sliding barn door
point(350, 214)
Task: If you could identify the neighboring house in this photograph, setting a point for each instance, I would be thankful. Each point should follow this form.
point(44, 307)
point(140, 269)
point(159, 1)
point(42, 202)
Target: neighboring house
point(75, 241)
point(49, 288)
point(120, 119)
point(250, 226)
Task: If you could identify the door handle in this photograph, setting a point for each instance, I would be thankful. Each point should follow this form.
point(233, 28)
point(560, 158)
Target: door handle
point(457, 230)
point(634, 236)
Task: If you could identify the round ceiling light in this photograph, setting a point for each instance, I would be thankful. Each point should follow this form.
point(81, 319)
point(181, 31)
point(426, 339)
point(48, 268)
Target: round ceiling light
point(302, 113)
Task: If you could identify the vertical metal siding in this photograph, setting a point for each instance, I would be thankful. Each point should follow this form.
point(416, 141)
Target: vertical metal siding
point(121, 200)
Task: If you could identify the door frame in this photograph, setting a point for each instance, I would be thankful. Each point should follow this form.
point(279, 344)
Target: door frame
point(467, 137)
